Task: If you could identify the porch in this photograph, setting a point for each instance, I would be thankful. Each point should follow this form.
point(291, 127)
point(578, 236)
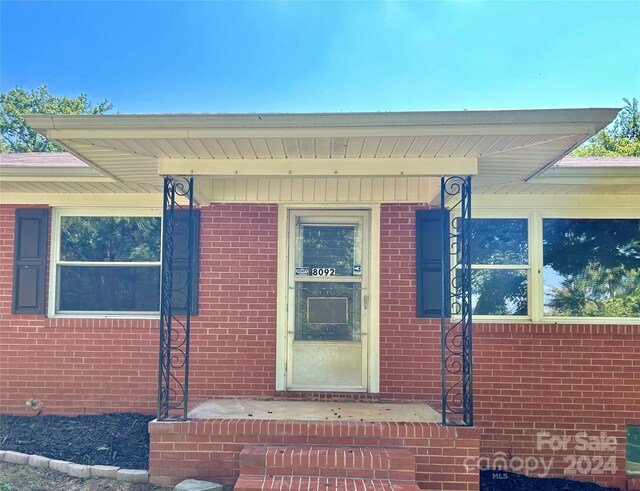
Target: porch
point(398, 444)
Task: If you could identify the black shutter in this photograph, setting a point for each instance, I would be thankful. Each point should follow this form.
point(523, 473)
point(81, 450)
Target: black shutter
point(181, 260)
point(429, 263)
point(30, 260)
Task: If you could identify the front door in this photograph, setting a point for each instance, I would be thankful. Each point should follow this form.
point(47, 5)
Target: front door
point(327, 304)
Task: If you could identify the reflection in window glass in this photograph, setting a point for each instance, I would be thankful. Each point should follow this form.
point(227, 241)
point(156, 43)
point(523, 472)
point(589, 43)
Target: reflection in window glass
point(499, 291)
point(499, 241)
point(329, 247)
point(591, 267)
point(633, 450)
point(109, 288)
point(108, 264)
point(110, 239)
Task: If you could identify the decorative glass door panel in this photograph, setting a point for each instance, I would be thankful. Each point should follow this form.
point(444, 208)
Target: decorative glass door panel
point(328, 293)
point(327, 311)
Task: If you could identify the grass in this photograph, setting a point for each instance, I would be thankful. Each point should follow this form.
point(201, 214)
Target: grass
point(15, 477)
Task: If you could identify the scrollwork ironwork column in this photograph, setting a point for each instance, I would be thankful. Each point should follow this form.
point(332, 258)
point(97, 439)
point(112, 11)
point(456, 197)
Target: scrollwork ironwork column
point(456, 335)
point(175, 299)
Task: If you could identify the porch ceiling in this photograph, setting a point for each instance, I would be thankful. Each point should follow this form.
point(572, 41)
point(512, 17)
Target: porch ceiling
point(506, 147)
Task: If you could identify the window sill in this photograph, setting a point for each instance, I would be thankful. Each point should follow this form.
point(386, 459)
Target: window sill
point(106, 316)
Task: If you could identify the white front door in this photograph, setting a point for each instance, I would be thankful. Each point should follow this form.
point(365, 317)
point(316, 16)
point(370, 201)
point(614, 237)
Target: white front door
point(327, 300)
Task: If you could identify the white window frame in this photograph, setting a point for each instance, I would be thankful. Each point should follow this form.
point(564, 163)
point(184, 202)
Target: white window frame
point(54, 262)
point(491, 214)
point(536, 261)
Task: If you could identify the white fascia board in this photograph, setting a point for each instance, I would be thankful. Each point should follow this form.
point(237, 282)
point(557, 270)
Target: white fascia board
point(510, 122)
point(341, 167)
point(291, 120)
point(83, 199)
point(586, 129)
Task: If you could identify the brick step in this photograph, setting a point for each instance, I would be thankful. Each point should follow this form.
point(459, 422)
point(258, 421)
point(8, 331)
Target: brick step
point(301, 483)
point(394, 464)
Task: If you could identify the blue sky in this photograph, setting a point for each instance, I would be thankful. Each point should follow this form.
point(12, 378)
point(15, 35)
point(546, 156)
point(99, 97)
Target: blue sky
point(155, 57)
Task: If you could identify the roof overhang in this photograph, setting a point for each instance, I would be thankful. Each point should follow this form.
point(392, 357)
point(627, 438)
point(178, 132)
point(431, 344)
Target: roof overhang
point(498, 147)
point(588, 176)
point(46, 174)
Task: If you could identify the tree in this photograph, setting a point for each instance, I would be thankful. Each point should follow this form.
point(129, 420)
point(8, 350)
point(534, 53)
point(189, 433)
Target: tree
point(623, 139)
point(627, 124)
point(597, 263)
point(97, 279)
point(17, 136)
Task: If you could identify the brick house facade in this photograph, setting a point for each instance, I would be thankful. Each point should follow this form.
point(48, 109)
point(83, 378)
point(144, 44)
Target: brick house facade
point(531, 375)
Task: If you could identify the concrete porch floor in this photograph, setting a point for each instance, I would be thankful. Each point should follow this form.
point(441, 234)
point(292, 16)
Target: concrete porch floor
point(314, 411)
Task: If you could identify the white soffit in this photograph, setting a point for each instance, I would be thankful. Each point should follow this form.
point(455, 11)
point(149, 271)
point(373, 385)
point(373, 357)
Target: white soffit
point(508, 146)
point(58, 173)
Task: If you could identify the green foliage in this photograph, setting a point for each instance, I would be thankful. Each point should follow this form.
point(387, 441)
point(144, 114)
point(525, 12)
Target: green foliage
point(498, 242)
point(633, 448)
point(610, 243)
point(110, 239)
point(599, 265)
point(591, 267)
point(17, 136)
point(499, 292)
point(100, 285)
point(627, 124)
point(622, 140)
point(598, 292)
point(604, 144)
point(329, 247)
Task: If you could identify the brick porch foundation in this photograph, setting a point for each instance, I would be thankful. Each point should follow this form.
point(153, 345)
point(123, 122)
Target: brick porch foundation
point(210, 449)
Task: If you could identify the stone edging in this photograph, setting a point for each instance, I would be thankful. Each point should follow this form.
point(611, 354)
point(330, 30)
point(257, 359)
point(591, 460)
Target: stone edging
point(75, 470)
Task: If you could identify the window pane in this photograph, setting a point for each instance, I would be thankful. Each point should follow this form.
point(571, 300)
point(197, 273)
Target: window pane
point(633, 449)
point(499, 291)
point(110, 239)
point(591, 267)
point(327, 311)
point(329, 247)
point(109, 288)
point(499, 241)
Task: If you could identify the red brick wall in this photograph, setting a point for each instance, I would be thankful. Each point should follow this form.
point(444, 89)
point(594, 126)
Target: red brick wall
point(210, 449)
point(69, 365)
point(92, 365)
point(409, 347)
point(559, 379)
point(233, 344)
point(527, 377)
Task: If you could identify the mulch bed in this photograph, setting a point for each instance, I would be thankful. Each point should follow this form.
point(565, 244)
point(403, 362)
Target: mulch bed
point(119, 439)
point(494, 480)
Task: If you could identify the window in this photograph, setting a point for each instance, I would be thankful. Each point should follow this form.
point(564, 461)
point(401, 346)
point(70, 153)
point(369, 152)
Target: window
point(548, 267)
point(633, 450)
point(591, 267)
point(500, 266)
point(106, 264)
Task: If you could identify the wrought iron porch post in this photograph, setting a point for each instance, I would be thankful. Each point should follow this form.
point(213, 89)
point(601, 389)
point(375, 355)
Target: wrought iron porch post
point(456, 332)
point(175, 298)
